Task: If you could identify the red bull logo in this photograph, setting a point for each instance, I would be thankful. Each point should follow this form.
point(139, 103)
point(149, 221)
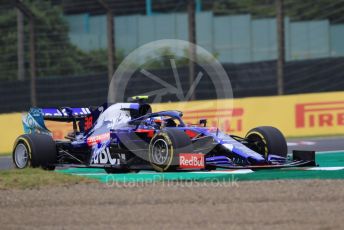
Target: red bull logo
point(191, 161)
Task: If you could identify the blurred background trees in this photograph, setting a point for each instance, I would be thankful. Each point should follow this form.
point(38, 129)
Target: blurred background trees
point(57, 56)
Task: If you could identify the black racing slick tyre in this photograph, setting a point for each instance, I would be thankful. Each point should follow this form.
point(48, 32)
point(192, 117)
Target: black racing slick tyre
point(34, 150)
point(268, 140)
point(164, 149)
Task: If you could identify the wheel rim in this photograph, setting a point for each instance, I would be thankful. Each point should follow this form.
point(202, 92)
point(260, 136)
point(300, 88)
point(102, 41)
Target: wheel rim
point(21, 156)
point(160, 152)
point(259, 145)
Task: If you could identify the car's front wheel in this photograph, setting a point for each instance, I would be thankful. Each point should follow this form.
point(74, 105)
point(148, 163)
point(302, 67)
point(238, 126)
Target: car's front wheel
point(267, 140)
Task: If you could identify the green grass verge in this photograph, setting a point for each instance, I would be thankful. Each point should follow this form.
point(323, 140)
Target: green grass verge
point(36, 178)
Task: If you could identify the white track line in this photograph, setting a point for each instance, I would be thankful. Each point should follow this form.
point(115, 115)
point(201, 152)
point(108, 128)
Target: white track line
point(326, 169)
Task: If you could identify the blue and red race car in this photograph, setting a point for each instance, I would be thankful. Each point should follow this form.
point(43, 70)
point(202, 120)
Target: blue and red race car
point(126, 137)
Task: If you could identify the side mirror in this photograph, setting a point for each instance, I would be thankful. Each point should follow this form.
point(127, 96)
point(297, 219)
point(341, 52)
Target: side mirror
point(203, 122)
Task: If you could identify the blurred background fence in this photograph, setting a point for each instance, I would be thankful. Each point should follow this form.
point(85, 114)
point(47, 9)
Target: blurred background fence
point(71, 41)
point(235, 39)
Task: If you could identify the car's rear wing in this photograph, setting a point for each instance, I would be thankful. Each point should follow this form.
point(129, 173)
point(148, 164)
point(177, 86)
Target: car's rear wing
point(65, 113)
point(33, 121)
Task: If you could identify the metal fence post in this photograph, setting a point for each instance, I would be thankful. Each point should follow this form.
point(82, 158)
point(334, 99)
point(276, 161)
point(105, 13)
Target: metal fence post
point(20, 45)
point(281, 46)
point(32, 47)
point(110, 39)
point(192, 40)
point(32, 63)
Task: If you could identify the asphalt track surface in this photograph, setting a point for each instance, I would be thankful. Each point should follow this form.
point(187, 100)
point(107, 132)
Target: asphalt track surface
point(320, 144)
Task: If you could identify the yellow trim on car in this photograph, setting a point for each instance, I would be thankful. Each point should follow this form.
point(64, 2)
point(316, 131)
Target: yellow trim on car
point(169, 142)
point(266, 150)
point(23, 139)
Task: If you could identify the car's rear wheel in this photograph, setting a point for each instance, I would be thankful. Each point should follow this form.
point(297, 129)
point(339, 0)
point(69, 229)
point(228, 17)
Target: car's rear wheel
point(164, 149)
point(267, 140)
point(34, 150)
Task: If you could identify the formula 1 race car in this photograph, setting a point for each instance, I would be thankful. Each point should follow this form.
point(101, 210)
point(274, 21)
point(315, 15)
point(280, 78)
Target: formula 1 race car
point(126, 137)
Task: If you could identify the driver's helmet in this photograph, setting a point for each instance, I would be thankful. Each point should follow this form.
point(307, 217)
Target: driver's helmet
point(154, 121)
point(157, 120)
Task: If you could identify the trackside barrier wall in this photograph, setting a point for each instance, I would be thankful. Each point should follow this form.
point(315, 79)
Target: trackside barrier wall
point(296, 115)
point(11, 128)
